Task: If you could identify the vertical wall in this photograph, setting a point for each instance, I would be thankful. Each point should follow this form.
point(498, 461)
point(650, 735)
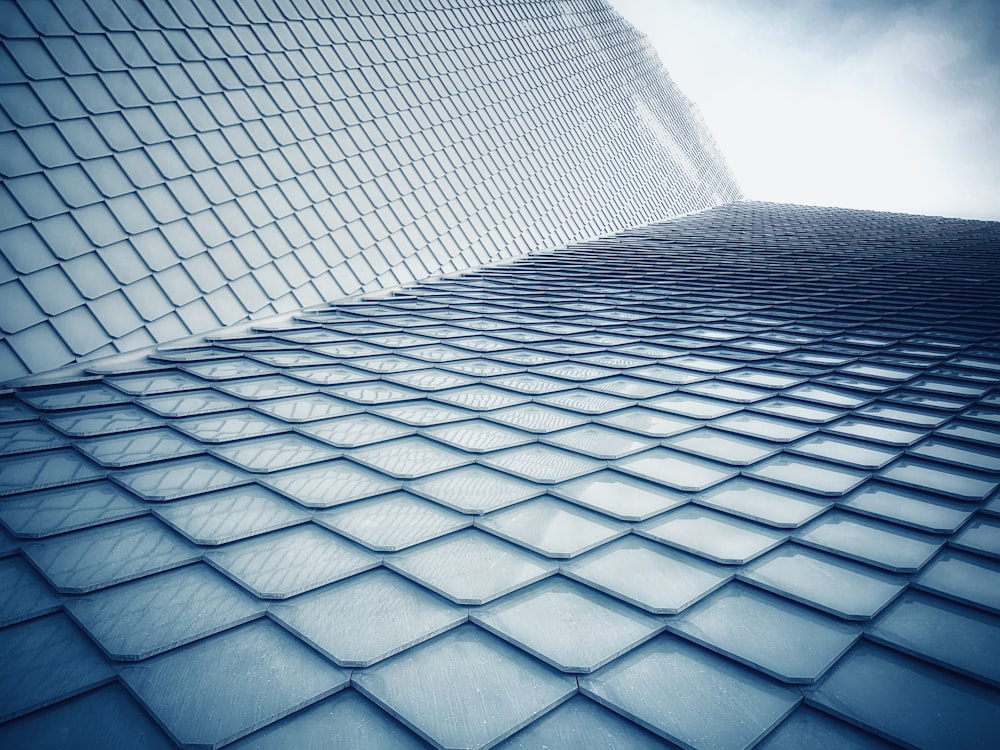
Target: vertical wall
point(172, 166)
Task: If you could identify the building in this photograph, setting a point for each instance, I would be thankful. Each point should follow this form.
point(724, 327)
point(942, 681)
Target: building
point(725, 479)
point(171, 168)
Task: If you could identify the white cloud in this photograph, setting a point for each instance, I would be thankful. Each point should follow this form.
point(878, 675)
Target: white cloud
point(881, 105)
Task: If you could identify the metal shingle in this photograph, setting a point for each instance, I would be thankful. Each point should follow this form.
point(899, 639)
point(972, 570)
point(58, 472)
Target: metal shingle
point(902, 698)
point(648, 575)
point(471, 668)
point(640, 686)
point(282, 676)
point(634, 345)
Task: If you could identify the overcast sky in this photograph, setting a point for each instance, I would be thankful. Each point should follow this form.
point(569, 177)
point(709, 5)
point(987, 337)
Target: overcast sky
point(860, 103)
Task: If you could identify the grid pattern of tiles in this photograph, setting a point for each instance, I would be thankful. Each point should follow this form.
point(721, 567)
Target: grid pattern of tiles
point(172, 167)
point(724, 480)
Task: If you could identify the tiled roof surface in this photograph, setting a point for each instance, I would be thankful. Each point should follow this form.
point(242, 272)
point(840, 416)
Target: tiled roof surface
point(172, 167)
point(724, 480)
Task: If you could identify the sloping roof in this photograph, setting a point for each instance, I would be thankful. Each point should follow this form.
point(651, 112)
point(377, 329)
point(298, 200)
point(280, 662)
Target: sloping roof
point(722, 480)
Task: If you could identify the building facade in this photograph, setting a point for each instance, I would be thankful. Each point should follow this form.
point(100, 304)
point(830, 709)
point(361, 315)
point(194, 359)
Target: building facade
point(722, 480)
point(170, 168)
point(539, 436)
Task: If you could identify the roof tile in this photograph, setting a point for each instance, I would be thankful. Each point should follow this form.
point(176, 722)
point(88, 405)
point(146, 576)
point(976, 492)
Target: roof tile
point(889, 546)
point(500, 688)
point(470, 567)
point(849, 590)
point(718, 537)
point(640, 686)
point(281, 675)
point(23, 594)
point(338, 620)
point(108, 554)
point(52, 468)
point(67, 664)
point(228, 515)
point(285, 563)
point(170, 480)
point(345, 715)
point(797, 645)
point(155, 614)
point(906, 700)
point(963, 577)
point(392, 522)
point(40, 514)
point(646, 574)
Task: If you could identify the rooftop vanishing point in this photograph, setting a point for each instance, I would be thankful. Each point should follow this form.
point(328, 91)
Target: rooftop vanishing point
point(459, 401)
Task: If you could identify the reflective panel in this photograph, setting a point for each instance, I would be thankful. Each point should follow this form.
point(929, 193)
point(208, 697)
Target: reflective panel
point(805, 474)
point(500, 689)
point(145, 446)
point(906, 699)
point(949, 634)
point(280, 675)
point(170, 480)
point(908, 507)
point(269, 454)
point(648, 575)
point(567, 625)
point(716, 536)
point(39, 514)
point(350, 432)
point(649, 423)
point(107, 717)
point(853, 453)
point(474, 489)
point(409, 457)
point(105, 555)
point(470, 567)
point(552, 528)
point(676, 470)
point(219, 517)
point(582, 724)
point(690, 405)
point(767, 503)
point(306, 408)
point(796, 645)
point(23, 594)
point(829, 583)
point(343, 721)
point(157, 613)
point(888, 546)
point(328, 484)
point(807, 727)
point(598, 442)
point(961, 484)
point(477, 436)
point(47, 660)
point(338, 620)
point(540, 463)
point(535, 418)
point(981, 535)
point(722, 446)
point(619, 495)
point(101, 421)
point(54, 468)
point(766, 428)
point(727, 705)
point(286, 563)
point(963, 577)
